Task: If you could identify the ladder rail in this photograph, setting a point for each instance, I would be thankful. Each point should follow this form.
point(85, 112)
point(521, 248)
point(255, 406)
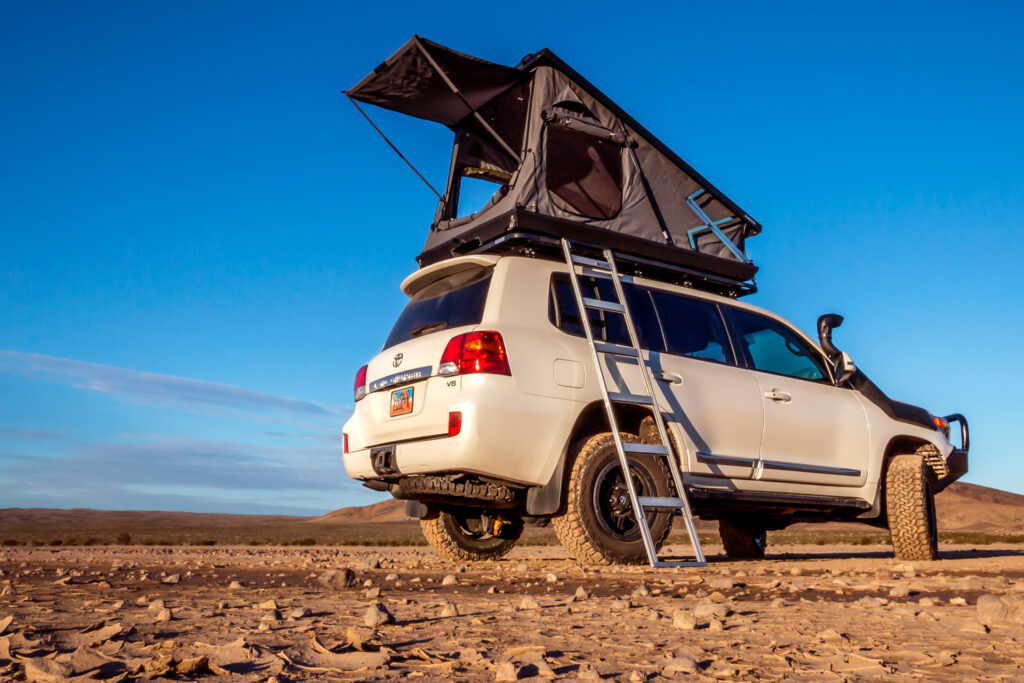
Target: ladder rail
point(638, 503)
point(659, 420)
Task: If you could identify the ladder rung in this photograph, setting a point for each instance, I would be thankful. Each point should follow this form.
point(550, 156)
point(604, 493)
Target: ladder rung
point(662, 564)
point(591, 263)
point(603, 305)
point(651, 448)
point(616, 350)
point(631, 398)
point(653, 502)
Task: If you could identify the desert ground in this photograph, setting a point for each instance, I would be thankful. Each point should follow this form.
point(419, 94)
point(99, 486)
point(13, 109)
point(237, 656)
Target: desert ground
point(330, 613)
point(354, 595)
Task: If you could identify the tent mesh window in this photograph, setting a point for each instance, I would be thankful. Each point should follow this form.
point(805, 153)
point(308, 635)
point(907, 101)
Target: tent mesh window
point(584, 172)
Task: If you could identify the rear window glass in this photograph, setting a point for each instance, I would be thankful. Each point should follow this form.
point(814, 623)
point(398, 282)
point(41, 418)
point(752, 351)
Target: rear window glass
point(453, 301)
point(692, 327)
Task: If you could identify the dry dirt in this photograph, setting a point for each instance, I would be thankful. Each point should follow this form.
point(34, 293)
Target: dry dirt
point(812, 612)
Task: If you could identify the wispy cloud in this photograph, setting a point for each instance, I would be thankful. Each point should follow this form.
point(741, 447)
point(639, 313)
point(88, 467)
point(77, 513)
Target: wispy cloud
point(197, 471)
point(293, 467)
point(169, 391)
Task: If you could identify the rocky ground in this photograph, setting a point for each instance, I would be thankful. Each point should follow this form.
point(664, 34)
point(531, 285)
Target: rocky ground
point(239, 613)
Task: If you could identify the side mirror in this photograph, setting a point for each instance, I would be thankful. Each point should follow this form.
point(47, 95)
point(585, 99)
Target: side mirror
point(845, 367)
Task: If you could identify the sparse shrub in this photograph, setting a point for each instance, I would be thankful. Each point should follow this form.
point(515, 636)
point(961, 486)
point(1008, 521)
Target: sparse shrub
point(253, 541)
point(124, 538)
point(38, 543)
point(304, 541)
point(8, 542)
point(148, 541)
point(56, 542)
point(205, 541)
point(92, 541)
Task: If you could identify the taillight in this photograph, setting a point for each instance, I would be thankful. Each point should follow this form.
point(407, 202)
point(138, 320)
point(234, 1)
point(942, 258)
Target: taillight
point(475, 352)
point(360, 384)
point(344, 442)
point(454, 423)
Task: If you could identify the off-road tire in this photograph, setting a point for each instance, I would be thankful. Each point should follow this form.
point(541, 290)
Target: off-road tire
point(743, 539)
point(445, 535)
point(579, 528)
point(910, 506)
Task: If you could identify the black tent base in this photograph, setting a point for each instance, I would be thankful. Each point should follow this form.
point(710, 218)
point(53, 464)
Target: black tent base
point(525, 233)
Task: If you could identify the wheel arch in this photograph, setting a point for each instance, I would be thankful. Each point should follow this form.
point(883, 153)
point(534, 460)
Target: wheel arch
point(905, 444)
point(550, 499)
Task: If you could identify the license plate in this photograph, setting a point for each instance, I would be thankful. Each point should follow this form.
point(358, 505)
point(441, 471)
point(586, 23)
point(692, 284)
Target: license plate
point(401, 402)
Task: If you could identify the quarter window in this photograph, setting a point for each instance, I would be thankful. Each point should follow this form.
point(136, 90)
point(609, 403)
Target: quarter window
point(773, 347)
point(608, 327)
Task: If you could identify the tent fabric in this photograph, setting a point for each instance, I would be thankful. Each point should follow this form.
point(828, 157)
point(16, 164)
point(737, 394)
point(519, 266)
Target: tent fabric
point(581, 158)
point(409, 82)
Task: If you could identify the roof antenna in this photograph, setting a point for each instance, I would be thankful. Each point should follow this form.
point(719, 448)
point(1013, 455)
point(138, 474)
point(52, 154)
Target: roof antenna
point(391, 145)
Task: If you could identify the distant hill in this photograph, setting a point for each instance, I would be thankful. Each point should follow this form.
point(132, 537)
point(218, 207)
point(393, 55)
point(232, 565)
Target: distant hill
point(961, 507)
point(969, 507)
point(385, 511)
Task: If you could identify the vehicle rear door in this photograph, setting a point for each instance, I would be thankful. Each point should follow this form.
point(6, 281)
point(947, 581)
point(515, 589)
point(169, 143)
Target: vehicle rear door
point(715, 405)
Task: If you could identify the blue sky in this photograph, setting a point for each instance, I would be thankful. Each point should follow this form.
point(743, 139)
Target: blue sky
point(201, 240)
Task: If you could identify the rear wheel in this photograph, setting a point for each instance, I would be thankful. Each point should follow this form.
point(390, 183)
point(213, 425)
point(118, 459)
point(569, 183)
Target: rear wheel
point(469, 535)
point(910, 506)
point(599, 526)
point(743, 539)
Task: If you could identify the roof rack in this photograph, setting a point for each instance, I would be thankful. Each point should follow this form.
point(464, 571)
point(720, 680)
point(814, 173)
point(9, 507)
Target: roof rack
point(532, 242)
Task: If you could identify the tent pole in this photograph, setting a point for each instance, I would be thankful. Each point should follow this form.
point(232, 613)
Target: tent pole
point(650, 196)
point(391, 145)
point(480, 119)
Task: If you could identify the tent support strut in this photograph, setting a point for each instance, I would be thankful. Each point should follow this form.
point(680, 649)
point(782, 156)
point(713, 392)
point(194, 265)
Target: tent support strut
point(476, 114)
point(392, 145)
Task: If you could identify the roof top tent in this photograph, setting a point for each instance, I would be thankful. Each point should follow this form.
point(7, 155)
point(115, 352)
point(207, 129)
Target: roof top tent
point(565, 161)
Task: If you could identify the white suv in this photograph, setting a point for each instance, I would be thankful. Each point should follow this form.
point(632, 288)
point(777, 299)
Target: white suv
point(484, 412)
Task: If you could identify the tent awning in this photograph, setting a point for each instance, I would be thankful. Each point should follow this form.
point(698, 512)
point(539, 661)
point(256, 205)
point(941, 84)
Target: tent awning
point(429, 81)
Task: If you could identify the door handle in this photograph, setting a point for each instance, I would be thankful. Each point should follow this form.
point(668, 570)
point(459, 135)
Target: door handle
point(669, 377)
point(778, 396)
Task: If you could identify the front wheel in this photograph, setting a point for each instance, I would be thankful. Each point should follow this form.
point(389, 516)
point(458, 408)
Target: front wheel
point(599, 526)
point(470, 536)
point(910, 506)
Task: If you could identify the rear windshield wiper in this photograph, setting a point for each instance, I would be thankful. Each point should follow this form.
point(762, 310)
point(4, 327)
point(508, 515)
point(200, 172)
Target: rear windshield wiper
point(428, 327)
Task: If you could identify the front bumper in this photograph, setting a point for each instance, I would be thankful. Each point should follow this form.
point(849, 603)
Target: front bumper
point(956, 461)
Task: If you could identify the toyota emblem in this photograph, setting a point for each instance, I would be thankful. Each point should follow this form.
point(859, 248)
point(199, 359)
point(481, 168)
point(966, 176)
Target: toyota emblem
point(398, 360)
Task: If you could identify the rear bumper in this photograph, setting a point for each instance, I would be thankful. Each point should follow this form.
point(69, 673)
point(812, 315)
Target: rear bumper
point(505, 434)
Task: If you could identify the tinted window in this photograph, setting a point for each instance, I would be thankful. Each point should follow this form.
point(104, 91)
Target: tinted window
point(584, 172)
point(610, 327)
point(453, 301)
point(692, 327)
point(773, 347)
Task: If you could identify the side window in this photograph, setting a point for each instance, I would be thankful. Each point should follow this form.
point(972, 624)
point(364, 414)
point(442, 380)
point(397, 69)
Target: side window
point(609, 327)
point(692, 327)
point(773, 347)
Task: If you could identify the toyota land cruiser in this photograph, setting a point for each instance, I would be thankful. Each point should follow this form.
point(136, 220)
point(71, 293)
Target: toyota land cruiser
point(483, 412)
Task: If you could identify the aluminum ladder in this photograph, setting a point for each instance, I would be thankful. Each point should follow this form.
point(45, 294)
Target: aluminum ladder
point(608, 270)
